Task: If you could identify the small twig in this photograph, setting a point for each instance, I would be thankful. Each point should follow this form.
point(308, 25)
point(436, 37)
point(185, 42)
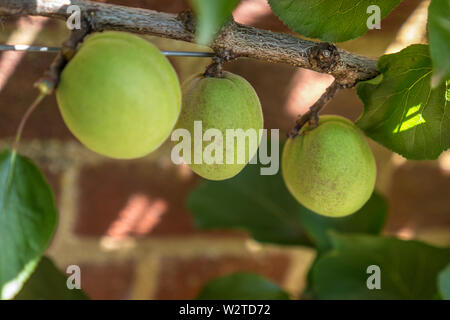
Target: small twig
point(215, 69)
point(51, 77)
point(312, 116)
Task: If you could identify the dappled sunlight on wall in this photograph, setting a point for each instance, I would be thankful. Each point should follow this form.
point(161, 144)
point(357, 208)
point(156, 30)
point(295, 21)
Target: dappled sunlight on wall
point(139, 217)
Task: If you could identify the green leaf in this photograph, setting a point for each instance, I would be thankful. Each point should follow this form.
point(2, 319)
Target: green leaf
point(439, 35)
point(263, 206)
point(332, 21)
point(211, 16)
point(401, 111)
point(369, 219)
point(444, 283)
point(408, 269)
point(48, 283)
point(27, 220)
point(242, 286)
point(258, 204)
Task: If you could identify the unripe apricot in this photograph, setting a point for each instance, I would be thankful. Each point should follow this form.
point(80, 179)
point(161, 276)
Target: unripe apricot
point(329, 169)
point(119, 95)
point(227, 104)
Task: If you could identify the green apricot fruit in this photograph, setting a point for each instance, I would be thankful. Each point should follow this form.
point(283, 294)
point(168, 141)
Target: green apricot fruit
point(119, 95)
point(329, 169)
point(227, 104)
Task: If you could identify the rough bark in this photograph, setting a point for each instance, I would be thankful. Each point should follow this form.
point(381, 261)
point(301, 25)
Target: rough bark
point(235, 39)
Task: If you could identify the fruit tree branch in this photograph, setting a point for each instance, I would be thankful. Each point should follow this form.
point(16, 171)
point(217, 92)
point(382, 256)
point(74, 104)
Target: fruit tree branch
point(241, 40)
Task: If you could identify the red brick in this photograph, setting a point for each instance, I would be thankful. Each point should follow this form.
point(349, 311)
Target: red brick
point(108, 281)
point(183, 278)
point(419, 198)
point(135, 198)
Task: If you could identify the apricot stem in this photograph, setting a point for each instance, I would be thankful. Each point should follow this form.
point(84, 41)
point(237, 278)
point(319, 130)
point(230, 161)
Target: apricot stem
point(312, 116)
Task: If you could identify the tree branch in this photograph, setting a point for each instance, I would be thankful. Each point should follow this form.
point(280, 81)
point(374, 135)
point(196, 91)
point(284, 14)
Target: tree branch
point(240, 40)
point(312, 116)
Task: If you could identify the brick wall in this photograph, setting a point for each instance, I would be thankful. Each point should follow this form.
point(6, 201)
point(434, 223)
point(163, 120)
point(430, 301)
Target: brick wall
point(125, 222)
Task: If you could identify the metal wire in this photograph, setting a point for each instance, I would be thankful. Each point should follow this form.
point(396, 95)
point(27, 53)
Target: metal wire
point(18, 47)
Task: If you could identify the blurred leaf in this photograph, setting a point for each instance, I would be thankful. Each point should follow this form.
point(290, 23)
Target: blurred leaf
point(259, 204)
point(409, 269)
point(401, 111)
point(211, 16)
point(332, 21)
point(242, 286)
point(27, 220)
point(48, 283)
point(369, 219)
point(439, 34)
point(444, 283)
